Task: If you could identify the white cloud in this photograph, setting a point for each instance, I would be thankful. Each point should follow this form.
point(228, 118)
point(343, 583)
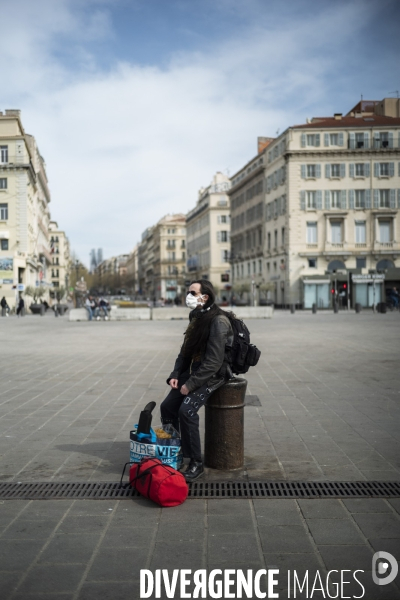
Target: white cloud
point(126, 146)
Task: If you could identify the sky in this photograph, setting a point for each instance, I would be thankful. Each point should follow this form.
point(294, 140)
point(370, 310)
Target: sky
point(135, 104)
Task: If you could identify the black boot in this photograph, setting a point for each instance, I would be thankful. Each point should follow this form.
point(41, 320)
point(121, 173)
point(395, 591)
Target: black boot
point(194, 470)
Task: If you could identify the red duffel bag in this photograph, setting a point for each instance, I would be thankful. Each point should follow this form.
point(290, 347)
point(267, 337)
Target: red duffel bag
point(158, 482)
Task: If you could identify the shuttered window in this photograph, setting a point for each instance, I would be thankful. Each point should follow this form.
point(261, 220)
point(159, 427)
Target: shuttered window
point(312, 233)
point(360, 232)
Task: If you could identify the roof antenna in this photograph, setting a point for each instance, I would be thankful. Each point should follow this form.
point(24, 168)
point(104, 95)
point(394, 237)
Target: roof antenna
point(395, 92)
point(361, 97)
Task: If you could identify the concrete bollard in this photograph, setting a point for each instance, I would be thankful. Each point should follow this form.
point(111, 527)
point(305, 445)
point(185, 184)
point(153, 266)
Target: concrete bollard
point(3, 312)
point(335, 307)
point(358, 307)
point(224, 426)
point(314, 308)
point(292, 309)
point(42, 310)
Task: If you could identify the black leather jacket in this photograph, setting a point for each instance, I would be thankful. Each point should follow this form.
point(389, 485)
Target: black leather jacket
point(214, 365)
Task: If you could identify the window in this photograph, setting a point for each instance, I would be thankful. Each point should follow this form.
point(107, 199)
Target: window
point(383, 169)
point(225, 277)
point(361, 263)
point(171, 255)
point(335, 170)
point(359, 140)
point(360, 232)
point(312, 233)
point(268, 267)
point(283, 236)
point(334, 139)
point(311, 199)
point(259, 237)
point(275, 238)
point(336, 232)
point(275, 267)
point(242, 270)
point(248, 269)
point(222, 236)
point(254, 267)
point(360, 170)
point(225, 255)
point(3, 154)
point(383, 139)
point(311, 170)
point(269, 241)
point(313, 139)
point(335, 198)
point(312, 263)
point(183, 244)
point(360, 199)
point(4, 244)
point(222, 218)
point(384, 200)
point(385, 232)
point(183, 255)
point(171, 244)
point(260, 266)
point(3, 212)
point(3, 183)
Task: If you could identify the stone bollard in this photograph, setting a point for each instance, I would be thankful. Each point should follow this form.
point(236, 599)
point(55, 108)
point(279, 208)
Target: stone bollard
point(335, 307)
point(224, 426)
point(314, 309)
point(358, 307)
point(292, 309)
point(42, 310)
point(3, 312)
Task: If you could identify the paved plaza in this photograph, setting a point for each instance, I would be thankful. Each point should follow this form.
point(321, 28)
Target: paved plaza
point(329, 389)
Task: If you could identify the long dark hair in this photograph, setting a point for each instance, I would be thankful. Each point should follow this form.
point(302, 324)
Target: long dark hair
point(198, 331)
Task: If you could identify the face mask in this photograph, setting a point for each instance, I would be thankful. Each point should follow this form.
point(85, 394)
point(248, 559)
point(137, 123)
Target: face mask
point(192, 301)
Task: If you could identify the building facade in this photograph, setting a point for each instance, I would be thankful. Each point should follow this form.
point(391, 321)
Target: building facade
point(25, 258)
point(248, 235)
point(208, 236)
point(60, 271)
point(132, 271)
point(331, 207)
point(162, 259)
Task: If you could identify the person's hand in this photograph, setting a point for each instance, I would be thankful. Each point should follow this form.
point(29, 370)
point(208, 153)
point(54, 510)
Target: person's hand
point(173, 383)
point(184, 390)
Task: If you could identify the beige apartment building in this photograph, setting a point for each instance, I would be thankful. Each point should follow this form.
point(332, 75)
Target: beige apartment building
point(112, 272)
point(208, 231)
point(132, 271)
point(162, 259)
point(60, 271)
point(25, 258)
point(331, 208)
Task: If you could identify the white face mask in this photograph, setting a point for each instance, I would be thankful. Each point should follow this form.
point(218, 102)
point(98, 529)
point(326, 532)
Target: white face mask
point(192, 301)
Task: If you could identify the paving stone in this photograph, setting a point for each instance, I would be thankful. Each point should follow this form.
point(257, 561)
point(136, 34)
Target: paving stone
point(117, 564)
point(23, 530)
point(285, 539)
point(232, 547)
point(322, 509)
point(346, 557)
point(44, 579)
point(381, 525)
point(70, 548)
point(334, 532)
point(367, 505)
point(116, 590)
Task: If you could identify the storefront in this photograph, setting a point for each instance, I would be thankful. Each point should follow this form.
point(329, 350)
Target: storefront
point(367, 289)
point(316, 291)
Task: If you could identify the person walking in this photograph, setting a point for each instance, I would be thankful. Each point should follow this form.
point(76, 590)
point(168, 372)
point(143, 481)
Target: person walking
point(20, 307)
point(200, 368)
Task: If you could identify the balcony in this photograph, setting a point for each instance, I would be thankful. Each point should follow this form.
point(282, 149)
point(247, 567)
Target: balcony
point(386, 248)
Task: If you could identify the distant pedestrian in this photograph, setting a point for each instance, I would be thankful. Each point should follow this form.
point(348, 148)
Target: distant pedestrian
point(20, 307)
point(5, 309)
point(88, 306)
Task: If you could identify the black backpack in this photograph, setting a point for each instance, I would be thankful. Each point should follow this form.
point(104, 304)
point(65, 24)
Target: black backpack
point(241, 355)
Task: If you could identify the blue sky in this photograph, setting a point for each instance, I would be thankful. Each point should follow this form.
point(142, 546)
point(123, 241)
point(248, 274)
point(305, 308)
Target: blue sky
point(135, 104)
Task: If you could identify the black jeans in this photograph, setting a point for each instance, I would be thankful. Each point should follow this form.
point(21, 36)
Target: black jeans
point(182, 411)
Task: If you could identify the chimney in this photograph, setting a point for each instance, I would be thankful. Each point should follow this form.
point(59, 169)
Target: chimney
point(13, 112)
point(263, 142)
point(338, 116)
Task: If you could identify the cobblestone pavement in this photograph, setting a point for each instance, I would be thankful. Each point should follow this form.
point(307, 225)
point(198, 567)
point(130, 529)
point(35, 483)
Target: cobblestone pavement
point(329, 389)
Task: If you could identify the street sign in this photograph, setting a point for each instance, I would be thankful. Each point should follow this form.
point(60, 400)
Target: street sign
point(20, 287)
point(369, 277)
